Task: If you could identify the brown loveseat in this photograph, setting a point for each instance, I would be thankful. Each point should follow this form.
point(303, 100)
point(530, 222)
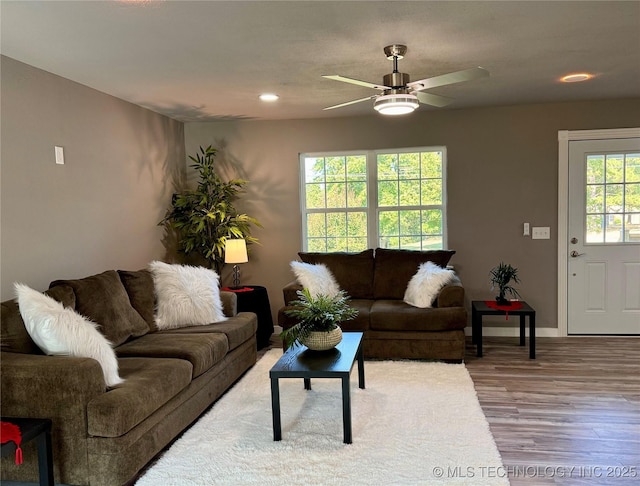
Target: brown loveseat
point(105, 436)
point(392, 328)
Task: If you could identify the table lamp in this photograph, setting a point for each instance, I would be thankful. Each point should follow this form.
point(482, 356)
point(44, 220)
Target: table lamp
point(235, 251)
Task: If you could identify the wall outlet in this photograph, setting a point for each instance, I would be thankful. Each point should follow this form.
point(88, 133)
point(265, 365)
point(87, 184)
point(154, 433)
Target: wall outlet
point(541, 233)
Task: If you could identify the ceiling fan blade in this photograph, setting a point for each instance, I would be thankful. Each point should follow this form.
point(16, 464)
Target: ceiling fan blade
point(350, 102)
point(337, 77)
point(451, 78)
point(432, 99)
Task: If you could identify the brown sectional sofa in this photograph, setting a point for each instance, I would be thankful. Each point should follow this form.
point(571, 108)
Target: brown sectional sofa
point(105, 436)
point(376, 284)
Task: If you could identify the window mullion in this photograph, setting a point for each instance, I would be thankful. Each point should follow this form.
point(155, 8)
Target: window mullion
point(372, 193)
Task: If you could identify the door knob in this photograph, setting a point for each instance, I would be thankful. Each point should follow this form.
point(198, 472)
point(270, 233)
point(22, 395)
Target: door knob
point(574, 240)
point(575, 254)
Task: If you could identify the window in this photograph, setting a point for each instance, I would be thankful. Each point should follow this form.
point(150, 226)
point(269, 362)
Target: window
point(388, 198)
point(612, 198)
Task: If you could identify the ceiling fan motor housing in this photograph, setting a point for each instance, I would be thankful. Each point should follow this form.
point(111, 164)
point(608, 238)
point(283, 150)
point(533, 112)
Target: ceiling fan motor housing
point(396, 80)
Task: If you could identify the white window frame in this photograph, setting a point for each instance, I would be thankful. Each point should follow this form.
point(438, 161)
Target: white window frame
point(372, 209)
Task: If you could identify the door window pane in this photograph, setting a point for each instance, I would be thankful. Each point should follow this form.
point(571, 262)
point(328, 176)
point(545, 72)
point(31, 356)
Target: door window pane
point(612, 198)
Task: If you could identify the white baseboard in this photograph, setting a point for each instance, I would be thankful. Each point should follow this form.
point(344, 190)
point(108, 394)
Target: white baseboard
point(513, 331)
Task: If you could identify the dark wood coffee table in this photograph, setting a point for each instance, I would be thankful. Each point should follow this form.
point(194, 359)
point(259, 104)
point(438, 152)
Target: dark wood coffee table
point(300, 362)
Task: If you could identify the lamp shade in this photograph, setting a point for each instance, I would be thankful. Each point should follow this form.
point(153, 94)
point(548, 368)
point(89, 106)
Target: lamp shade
point(235, 251)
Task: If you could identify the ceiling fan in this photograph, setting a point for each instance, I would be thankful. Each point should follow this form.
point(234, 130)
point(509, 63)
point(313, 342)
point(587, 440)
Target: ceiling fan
point(400, 96)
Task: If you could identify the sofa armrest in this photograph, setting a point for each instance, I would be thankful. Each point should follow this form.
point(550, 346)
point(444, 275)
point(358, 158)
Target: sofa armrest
point(290, 290)
point(58, 388)
point(229, 303)
point(451, 295)
point(49, 386)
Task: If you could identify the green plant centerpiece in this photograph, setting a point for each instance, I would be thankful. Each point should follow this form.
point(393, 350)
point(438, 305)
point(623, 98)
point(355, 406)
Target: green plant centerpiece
point(319, 318)
point(204, 218)
point(501, 277)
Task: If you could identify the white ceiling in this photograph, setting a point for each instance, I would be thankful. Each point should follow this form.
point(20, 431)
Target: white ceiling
point(209, 60)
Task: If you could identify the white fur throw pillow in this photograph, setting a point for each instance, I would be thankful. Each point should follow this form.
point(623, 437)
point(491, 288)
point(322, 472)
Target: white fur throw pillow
point(315, 277)
point(425, 285)
point(186, 295)
point(60, 331)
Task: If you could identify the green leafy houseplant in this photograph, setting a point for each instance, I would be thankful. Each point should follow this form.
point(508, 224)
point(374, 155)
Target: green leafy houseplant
point(204, 218)
point(501, 277)
point(321, 313)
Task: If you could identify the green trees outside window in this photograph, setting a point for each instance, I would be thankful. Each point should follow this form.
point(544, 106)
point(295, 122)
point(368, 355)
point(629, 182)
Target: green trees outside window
point(390, 199)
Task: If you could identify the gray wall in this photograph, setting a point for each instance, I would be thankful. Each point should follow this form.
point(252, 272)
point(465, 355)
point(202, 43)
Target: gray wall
point(502, 172)
point(99, 210)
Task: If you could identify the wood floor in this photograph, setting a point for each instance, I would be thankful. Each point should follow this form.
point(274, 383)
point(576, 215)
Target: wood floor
point(571, 416)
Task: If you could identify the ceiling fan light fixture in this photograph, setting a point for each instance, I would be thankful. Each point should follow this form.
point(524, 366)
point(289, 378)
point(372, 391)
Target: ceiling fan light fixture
point(269, 97)
point(396, 104)
point(576, 77)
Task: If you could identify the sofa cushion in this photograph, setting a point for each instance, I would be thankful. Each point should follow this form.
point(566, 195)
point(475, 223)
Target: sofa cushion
point(186, 295)
point(139, 287)
point(60, 331)
point(396, 315)
point(361, 321)
point(203, 350)
point(353, 271)
point(426, 284)
point(394, 269)
point(316, 278)
point(150, 383)
point(238, 330)
point(13, 334)
point(103, 299)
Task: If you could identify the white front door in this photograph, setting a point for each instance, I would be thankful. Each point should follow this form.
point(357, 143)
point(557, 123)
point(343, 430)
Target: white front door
point(603, 247)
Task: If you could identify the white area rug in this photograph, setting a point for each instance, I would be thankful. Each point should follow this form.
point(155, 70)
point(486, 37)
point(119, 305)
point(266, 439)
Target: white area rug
point(416, 423)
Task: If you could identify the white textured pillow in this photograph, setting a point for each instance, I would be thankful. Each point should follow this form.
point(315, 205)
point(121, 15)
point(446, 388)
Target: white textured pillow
point(317, 278)
point(186, 295)
point(425, 285)
point(60, 331)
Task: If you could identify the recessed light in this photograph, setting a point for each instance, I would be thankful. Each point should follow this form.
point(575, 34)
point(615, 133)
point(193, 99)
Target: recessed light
point(576, 77)
point(269, 97)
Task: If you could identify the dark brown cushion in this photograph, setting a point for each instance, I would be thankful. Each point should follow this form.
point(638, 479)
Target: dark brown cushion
point(13, 335)
point(353, 271)
point(238, 330)
point(139, 287)
point(103, 299)
point(396, 315)
point(203, 350)
point(149, 384)
point(394, 269)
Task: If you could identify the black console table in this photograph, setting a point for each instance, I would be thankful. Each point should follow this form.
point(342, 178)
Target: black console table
point(254, 298)
point(40, 431)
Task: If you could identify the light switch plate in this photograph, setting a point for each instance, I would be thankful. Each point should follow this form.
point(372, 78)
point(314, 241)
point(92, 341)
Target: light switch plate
point(59, 155)
point(541, 233)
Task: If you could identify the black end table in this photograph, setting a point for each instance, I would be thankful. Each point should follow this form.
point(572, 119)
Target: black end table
point(254, 298)
point(300, 362)
point(480, 308)
point(40, 430)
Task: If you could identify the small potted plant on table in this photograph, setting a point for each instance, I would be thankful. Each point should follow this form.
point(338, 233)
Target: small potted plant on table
point(319, 320)
point(501, 277)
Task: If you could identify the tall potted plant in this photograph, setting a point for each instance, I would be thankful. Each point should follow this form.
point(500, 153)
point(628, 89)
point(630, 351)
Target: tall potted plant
point(204, 218)
point(501, 277)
